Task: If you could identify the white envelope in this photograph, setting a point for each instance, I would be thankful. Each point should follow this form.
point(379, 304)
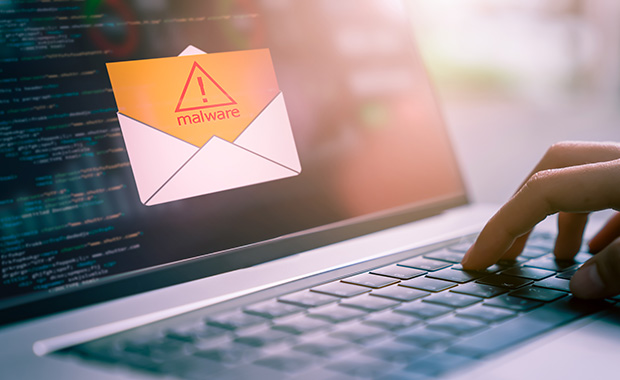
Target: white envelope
point(167, 169)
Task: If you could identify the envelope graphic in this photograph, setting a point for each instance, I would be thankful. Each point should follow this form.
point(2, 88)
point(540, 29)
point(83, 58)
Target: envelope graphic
point(202, 123)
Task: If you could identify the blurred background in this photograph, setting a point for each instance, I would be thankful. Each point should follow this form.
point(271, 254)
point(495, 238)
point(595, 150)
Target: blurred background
point(515, 76)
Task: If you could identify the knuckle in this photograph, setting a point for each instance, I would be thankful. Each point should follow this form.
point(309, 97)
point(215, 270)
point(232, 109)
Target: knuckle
point(538, 180)
point(538, 189)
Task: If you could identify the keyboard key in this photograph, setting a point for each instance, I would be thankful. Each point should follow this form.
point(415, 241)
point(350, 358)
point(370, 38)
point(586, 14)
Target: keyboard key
point(542, 241)
point(486, 314)
point(452, 299)
point(287, 362)
point(438, 364)
point(553, 283)
point(428, 284)
point(459, 276)
point(99, 350)
point(273, 309)
point(307, 298)
point(301, 325)
point(113, 353)
point(158, 349)
point(264, 338)
point(512, 263)
point(512, 303)
point(399, 293)
point(336, 313)
point(538, 294)
point(524, 327)
point(325, 347)
point(246, 371)
point(424, 338)
point(318, 373)
point(232, 353)
point(139, 362)
point(423, 310)
point(461, 247)
point(456, 326)
point(368, 303)
point(582, 257)
point(446, 255)
point(424, 264)
point(479, 290)
point(194, 334)
point(395, 352)
point(401, 374)
point(391, 321)
point(359, 333)
point(533, 252)
point(399, 272)
point(360, 366)
point(529, 273)
point(192, 367)
point(504, 281)
point(567, 275)
point(550, 263)
point(235, 320)
point(340, 289)
point(370, 280)
point(490, 270)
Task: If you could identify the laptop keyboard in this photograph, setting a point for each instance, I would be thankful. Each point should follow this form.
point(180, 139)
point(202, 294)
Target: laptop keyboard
point(421, 317)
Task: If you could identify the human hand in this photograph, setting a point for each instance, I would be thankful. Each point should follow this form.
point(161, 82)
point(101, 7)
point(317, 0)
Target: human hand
point(572, 179)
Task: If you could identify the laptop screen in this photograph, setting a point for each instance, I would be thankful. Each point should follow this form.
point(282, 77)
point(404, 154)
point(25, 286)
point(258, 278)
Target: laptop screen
point(333, 125)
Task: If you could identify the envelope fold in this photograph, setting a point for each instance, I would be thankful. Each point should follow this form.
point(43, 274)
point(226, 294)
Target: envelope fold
point(219, 165)
point(270, 135)
point(191, 50)
point(154, 156)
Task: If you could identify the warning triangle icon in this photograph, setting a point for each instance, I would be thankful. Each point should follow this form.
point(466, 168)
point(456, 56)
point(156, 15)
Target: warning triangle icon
point(202, 91)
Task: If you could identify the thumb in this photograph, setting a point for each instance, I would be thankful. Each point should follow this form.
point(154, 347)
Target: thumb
point(599, 277)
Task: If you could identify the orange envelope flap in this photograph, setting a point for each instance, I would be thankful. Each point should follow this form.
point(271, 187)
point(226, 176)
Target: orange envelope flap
point(196, 97)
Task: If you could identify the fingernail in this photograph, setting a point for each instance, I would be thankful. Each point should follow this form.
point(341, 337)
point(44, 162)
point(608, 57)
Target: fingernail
point(586, 283)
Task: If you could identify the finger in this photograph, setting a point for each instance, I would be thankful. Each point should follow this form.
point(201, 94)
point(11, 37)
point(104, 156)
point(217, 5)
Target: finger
point(574, 153)
point(599, 277)
point(570, 234)
point(580, 188)
point(517, 247)
point(561, 155)
point(606, 235)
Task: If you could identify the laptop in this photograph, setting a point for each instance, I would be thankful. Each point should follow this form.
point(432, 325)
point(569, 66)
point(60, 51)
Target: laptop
point(231, 190)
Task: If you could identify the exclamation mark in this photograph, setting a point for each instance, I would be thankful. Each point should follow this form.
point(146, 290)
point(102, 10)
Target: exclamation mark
point(202, 89)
